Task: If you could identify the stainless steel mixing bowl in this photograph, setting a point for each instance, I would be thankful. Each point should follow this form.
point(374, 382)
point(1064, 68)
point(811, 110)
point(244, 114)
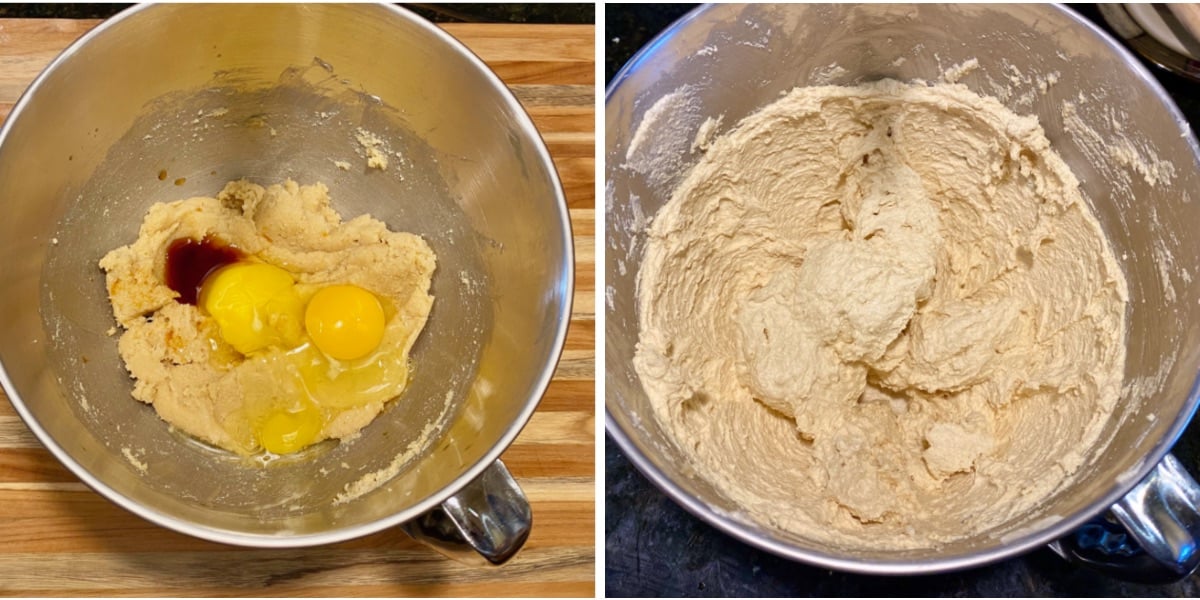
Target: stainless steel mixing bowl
point(213, 93)
point(731, 60)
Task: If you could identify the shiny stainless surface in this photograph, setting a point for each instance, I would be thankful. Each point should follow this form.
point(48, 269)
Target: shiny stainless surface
point(1162, 513)
point(735, 59)
point(212, 93)
point(486, 522)
point(1143, 43)
point(1149, 536)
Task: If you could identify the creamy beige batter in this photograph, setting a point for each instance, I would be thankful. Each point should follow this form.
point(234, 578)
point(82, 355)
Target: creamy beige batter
point(882, 316)
point(196, 381)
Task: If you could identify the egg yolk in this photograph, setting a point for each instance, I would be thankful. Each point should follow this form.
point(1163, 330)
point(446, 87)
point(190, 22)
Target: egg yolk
point(345, 321)
point(286, 431)
point(255, 305)
point(305, 364)
point(290, 395)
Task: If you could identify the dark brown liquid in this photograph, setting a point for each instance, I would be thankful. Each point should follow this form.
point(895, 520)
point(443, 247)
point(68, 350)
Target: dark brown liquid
point(189, 261)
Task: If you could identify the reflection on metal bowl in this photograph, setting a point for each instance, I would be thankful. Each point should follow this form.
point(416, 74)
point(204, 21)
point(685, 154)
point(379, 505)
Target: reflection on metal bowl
point(214, 93)
point(732, 60)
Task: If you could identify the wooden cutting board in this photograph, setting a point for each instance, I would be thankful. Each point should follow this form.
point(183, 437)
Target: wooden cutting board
point(58, 537)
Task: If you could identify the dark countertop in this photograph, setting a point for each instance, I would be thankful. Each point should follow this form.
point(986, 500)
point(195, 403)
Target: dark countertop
point(655, 548)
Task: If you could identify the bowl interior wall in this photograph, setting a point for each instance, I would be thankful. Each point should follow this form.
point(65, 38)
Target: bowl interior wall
point(732, 60)
point(212, 94)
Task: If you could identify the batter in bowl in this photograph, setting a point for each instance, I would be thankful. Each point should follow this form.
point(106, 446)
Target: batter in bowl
point(304, 337)
point(882, 316)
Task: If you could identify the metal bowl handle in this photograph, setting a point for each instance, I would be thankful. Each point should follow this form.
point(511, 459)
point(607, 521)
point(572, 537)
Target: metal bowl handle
point(1149, 536)
point(489, 519)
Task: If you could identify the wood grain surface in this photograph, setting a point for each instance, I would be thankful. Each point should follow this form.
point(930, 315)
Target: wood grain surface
point(57, 537)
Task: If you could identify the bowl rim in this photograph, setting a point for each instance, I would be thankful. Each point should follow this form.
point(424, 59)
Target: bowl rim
point(1040, 533)
point(565, 281)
